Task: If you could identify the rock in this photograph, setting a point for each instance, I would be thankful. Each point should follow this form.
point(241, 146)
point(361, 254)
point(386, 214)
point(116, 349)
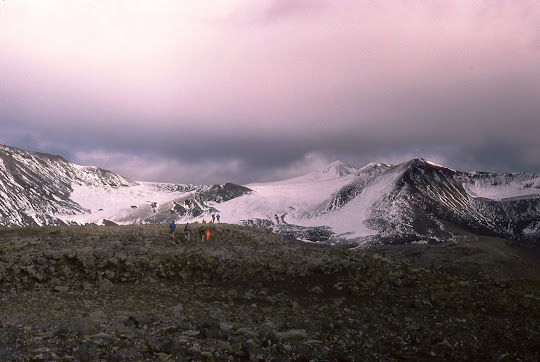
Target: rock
point(109, 274)
point(121, 256)
point(82, 327)
point(66, 270)
point(164, 344)
point(105, 285)
point(109, 223)
point(207, 355)
point(98, 315)
point(244, 331)
point(292, 334)
point(86, 260)
point(102, 339)
point(209, 329)
point(223, 346)
point(127, 354)
point(295, 305)
point(61, 288)
point(85, 352)
point(55, 281)
point(177, 309)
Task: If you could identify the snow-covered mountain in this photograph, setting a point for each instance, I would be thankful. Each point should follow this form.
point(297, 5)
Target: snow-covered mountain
point(421, 201)
point(35, 187)
point(42, 189)
point(415, 201)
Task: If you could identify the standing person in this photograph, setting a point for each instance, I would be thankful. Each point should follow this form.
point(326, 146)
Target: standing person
point(187, 232)
point(207, 235)
point(218, 217)
point(213, 218)
point(201, 233)
point(172, 229)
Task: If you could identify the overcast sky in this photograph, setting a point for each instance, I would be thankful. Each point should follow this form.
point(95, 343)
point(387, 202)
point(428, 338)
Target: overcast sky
point(261, 90)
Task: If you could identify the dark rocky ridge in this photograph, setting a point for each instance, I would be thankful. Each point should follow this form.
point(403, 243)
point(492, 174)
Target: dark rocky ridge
point(431, 197)
point(196, 205)
point(128, 293)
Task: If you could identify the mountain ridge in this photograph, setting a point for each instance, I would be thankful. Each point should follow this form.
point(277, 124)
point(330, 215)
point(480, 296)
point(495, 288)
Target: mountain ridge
point(414, 201)
point(35, 186)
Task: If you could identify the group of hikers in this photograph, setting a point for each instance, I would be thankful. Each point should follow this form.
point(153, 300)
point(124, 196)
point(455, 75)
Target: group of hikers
point(204, 233)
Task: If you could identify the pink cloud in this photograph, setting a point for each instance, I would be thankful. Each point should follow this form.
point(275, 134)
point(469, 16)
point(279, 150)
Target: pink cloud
point(155, 61)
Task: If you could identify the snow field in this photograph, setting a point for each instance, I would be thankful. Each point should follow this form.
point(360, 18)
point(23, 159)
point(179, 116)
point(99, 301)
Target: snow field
point(115, 203)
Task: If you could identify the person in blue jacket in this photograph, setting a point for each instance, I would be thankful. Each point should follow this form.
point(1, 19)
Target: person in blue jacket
point(172, 228)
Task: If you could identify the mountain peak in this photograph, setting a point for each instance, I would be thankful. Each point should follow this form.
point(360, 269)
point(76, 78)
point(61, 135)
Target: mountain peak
point(423, 163)
point(331, 171)
point(374, 166)
point(337, 169)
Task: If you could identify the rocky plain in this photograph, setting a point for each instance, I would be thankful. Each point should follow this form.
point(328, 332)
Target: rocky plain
point(128, 293)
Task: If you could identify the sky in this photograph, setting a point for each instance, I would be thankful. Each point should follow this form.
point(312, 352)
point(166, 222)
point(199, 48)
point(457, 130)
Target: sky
point(244, 91)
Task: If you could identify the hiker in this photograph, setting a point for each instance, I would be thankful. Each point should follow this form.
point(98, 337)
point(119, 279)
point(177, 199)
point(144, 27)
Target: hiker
point(213, 218)
point(172, 228)
point(187, 232)
point(207, 235)
point(218, 217)
point(203, 221)
point(201, 233)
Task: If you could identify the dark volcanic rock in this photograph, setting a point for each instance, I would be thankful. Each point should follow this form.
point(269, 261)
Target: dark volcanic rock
point(245, 295)
point(222, 193)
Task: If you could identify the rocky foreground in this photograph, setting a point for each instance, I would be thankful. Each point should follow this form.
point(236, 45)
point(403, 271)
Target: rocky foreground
point(128, 293)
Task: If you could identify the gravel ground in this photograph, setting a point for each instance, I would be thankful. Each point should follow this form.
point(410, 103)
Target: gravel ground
point(127, 293)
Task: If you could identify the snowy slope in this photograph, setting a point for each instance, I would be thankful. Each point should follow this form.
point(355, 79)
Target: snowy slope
point(499, 187)
point(413, 201)
point(35, 187)
point(125, 205)
point(289, 200)
point(332, 171)
point(148, 202)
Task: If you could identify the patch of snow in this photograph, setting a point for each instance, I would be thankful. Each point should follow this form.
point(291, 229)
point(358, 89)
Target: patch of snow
point(440, 166)
point(115, 203)
point(334, 170)
point(352, 216)
point(278, 198)
point(501, 190)
point(374, 165)
point(292, 198)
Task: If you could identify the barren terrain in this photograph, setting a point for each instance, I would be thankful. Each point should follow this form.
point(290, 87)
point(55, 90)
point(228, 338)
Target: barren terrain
point(127, 293)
